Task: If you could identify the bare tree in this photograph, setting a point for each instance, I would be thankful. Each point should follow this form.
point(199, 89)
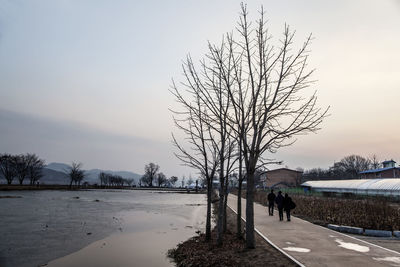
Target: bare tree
point(207, 107)
point(8, 167)
point(150, 171)
point(76, 174)
point(254, 91)
point(375, 162)
point(35, 167)
point(351, 166)
point(172, 180)
point(21, 167)
point(199, 151)
point(103, 178)
point(161, 179)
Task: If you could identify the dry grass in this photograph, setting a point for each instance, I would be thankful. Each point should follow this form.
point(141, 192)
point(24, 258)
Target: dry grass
point(365, 213)
point(371, 213)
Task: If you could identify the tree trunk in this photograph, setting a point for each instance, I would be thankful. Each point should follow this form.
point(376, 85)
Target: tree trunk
point(208, 219)
point(224, 226)
point(239, 211)
point(250, 242)
point(220, 214)
point(239, 196)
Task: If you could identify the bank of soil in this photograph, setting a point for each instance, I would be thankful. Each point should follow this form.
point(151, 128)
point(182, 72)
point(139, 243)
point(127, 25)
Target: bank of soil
point(196, 252)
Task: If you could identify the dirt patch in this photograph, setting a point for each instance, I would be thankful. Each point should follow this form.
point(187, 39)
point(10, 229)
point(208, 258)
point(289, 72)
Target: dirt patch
point(196, 252)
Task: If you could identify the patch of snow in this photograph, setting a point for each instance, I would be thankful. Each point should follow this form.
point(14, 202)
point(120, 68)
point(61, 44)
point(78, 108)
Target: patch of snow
point(296, 249)
point(352, 246)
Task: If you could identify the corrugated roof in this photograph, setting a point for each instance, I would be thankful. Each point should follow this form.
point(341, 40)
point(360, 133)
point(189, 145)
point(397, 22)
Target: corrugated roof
point(379, 170)
point(389, 184)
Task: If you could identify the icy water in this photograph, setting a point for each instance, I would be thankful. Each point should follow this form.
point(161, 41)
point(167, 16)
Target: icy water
point(96, 227)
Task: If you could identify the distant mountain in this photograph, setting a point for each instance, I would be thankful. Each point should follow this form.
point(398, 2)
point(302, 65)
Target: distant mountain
point(53, 177)
point(60, 167)
point(91, 176)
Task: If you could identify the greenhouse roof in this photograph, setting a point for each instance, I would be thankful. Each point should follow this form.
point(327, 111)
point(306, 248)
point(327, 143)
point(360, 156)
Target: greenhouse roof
point(389, 184)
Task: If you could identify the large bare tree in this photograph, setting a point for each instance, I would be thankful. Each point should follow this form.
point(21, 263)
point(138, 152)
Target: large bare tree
point(8, 167)
point(269, 98)
point(198, 148)
point(35, 168)
point(150, 172)
point(76, 174)
point(255, 92)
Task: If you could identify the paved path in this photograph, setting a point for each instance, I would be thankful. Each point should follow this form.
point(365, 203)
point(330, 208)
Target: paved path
point(313, 245)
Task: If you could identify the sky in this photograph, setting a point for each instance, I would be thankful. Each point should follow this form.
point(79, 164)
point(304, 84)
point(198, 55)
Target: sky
point(88, 81)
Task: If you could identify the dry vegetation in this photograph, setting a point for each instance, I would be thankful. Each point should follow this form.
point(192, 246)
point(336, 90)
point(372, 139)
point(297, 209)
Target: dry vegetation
point(196, 252)
point(365, 213)
point(370, 213)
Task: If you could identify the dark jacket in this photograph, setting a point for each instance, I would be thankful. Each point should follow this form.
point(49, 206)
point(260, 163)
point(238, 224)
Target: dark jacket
point(279, 201)
point(271, 197)
point(288, 204)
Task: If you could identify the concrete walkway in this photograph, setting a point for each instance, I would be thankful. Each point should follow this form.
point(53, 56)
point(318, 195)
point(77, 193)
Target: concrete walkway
point(313, 245)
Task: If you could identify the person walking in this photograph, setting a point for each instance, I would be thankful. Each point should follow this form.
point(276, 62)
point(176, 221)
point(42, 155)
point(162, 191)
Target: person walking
point(279, 203)
point(288, 205)
point(271, 202)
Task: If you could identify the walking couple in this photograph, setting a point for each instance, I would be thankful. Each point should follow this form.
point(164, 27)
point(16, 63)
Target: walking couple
point(283, 203)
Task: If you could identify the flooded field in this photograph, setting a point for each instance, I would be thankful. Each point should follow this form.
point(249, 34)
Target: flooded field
point(96, 227)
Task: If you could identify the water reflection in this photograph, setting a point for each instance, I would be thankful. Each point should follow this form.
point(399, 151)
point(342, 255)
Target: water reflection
point(45, 225)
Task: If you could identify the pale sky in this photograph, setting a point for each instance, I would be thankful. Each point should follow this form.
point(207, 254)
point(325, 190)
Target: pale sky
point(88, 80)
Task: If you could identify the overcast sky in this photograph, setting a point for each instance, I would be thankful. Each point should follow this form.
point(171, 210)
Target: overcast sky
point(88, 80)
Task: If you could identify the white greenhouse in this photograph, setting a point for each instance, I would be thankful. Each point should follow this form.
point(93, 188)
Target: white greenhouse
point(387, 187)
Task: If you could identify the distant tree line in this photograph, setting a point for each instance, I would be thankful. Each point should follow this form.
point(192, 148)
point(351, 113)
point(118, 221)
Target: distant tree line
point(110, 180)
point(21, 167)
point(348, 167)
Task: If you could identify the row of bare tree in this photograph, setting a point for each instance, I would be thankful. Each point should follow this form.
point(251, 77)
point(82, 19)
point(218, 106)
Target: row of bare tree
point(152, 176)
point(107, 179)
point(243, 100)
point(21, 167)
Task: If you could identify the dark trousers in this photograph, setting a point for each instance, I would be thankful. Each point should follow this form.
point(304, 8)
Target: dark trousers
point(288, 215)
point(280, 213)
point(271, 208)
